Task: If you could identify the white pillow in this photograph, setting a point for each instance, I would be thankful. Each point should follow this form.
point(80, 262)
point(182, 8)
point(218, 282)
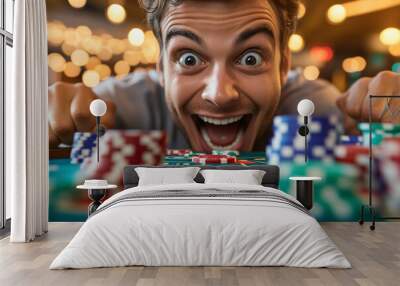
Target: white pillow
point(248, 177)
point(166, 176)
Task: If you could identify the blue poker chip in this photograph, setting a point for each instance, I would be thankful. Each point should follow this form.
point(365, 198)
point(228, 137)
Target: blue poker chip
point(83, 146)
point(288, 145)
point(290, 155)
point(351, 140)
point(289, 124)
point(289, 152)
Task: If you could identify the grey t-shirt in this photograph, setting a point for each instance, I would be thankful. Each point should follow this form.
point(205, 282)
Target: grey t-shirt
point(140, 102)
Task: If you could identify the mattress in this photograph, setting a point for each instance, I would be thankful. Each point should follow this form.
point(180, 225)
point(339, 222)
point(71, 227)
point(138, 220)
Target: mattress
point(201, 225)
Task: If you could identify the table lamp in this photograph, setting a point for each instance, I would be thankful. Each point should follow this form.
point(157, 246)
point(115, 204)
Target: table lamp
point(98, 108)
point(305, 108)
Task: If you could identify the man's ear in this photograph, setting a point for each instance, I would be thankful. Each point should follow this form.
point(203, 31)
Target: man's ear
point(160, 70)
point(285, 65)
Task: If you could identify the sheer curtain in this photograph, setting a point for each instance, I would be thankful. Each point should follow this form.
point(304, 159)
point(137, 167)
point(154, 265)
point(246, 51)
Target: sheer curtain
point(26, 124)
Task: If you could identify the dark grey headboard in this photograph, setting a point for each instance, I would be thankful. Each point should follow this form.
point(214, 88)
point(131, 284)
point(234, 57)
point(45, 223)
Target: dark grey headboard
point(271, 177)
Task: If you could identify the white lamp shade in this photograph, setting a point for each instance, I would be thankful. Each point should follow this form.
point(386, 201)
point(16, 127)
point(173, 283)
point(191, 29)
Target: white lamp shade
point(98, 107)
point(305, 107)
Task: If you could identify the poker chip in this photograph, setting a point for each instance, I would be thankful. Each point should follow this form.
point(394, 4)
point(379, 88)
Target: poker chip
point(214, 159)
point(379, 131)
point(119, 148)
point(351, 153)
point(226, 152)
point(177, 152)
point(351, 140)
point(336, 196)
point(389, 167)
point(84, 144)
point(287, 145)
point(193, 153)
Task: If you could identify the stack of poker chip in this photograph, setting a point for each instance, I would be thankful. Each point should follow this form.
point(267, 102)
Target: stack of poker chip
point(190, 158)
point(358, 156)
point(379, 131)
point(214, 159)
point(389, 165)
point(287, 145)
point(83, 147)
point(119, 148)
point(336, 195)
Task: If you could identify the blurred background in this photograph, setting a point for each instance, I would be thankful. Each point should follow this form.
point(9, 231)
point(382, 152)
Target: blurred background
point(336, 40)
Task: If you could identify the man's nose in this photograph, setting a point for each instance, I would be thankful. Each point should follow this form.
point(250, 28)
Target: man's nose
point(220, 89)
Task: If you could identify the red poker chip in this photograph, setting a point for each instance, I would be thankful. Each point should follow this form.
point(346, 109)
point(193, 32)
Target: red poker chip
point(349, 153)
point(178, 152)
point(214, 159)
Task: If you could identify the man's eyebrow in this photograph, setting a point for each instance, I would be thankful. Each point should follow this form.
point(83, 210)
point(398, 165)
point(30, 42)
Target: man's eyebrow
point(183, 33)
point(245, 35)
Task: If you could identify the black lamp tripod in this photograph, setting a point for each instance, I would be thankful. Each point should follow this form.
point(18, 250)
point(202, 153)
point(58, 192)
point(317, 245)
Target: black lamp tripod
point(370, 207)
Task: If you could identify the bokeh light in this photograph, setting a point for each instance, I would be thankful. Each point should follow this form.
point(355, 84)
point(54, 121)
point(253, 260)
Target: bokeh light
point(296, 43)
point(336, 14)
point(122, 68)
point(55, 33)
point(71, 70)
point(84, 31)
point(92, 45)
point(80, 57)
point(390, 36)
point(105, 54)
point(103, 70)
point(395, 50)
point(71, 37)
point(321, 53)
point(92, 63)
point(302, 11)
point(355, 64)
point(56, 62)
point(91, 78)
point(77, 3)
point(311, 72)
point(132, 57)
point(116, 13)
point(136, 37)
point(67, 49)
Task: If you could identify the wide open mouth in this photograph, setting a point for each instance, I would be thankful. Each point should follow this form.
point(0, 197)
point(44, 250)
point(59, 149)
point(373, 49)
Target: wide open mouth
point(222, 133)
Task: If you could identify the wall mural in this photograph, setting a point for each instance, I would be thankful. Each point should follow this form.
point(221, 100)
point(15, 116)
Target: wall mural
point(217, 96)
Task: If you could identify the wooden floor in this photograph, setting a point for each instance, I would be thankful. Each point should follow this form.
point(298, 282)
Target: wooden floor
point(375, 257)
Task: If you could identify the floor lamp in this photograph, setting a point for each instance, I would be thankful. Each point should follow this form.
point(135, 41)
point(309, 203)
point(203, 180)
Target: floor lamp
point(370, 206)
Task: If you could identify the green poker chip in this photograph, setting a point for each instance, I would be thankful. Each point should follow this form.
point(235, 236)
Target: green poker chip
point(379, 131)
point(336, 196)
point(226, 152)
point(380, 127)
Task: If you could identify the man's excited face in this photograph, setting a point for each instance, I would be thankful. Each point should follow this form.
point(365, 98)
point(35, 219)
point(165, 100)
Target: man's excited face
point(222, 71)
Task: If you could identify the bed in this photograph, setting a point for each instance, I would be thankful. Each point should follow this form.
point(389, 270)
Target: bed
point(198, 224)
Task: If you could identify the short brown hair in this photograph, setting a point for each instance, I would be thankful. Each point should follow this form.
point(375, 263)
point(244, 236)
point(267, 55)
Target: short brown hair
point(286, 12)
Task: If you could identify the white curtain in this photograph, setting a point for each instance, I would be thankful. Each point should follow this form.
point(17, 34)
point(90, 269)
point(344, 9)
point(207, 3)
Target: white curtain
point(26, 124)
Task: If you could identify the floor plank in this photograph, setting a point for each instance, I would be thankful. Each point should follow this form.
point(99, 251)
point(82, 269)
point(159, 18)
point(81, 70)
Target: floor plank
point(375, 257)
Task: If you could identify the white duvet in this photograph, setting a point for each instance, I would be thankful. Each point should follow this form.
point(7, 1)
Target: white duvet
point(200, 231)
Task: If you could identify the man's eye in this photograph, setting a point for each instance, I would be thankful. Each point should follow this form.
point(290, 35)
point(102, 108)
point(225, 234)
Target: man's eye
point(189, 60)
point(251, 59)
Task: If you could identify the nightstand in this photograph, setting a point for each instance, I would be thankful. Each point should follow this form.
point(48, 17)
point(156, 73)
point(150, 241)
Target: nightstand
point(96, 194)
point(304, 190)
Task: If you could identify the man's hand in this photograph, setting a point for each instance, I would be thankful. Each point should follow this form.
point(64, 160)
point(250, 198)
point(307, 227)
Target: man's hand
point(69, 112)
point(355, 102)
